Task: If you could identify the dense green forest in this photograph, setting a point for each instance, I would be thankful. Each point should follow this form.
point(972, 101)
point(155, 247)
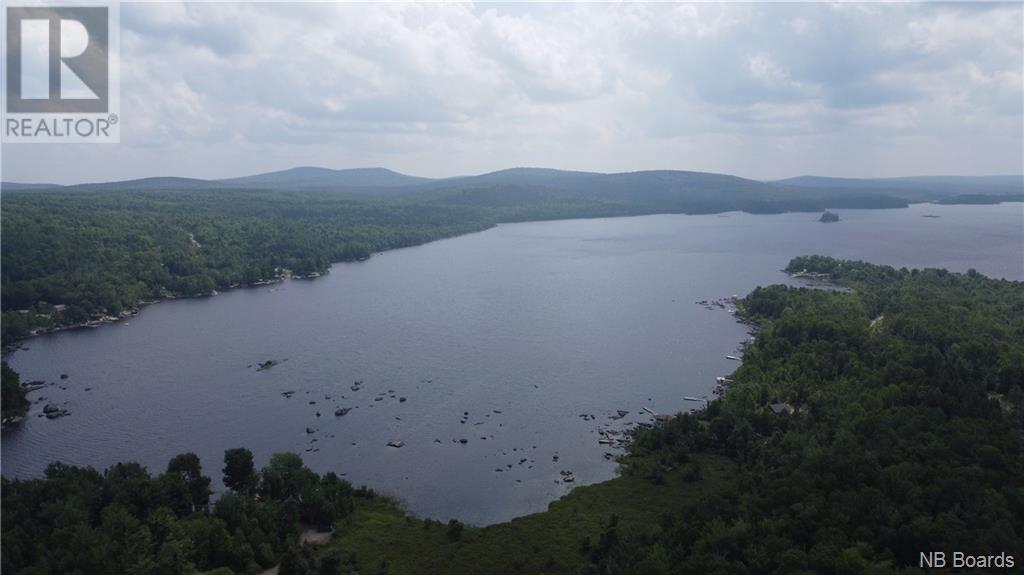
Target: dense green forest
point(981, 199)
point(70, 256)
point(74, 257)
point(77, 254)
point(126, 520)
point(865, 425)
point(906, 432)
point(13, 399)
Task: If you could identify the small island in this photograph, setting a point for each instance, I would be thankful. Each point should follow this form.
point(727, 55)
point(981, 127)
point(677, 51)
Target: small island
point(828, 217)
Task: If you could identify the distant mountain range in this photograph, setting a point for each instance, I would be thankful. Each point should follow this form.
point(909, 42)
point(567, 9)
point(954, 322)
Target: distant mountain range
point(313, 178)
point(301, 178)
point(932, 187)
point(669, 189)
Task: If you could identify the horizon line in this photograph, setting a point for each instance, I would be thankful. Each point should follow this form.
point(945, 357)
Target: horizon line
point(298, 167)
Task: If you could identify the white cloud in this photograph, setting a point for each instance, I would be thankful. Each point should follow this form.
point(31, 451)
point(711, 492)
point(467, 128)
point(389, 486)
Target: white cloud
point(216, 89)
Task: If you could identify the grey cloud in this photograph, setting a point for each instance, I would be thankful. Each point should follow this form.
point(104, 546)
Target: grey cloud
point(758, 90)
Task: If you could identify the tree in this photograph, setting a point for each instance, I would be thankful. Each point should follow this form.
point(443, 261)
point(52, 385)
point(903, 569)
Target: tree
point(285, 476)
point(187, 466)
point(12, 394)
point(171, 560)
point(455, 528)
point(331, 562)
point(131, 538)
point(172, 492)
point(76, 520)
point(293, 562)
point(239, 471)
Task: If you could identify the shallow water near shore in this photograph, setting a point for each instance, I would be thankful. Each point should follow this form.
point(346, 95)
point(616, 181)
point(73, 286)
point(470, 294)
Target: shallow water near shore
point(523, 340)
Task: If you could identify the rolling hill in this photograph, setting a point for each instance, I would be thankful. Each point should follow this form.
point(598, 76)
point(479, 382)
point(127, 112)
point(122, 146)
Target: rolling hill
point(601, 193)
point(314, 178)
point(915, 187)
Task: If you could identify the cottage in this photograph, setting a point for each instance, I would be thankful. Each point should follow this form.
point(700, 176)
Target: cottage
point(781, 408)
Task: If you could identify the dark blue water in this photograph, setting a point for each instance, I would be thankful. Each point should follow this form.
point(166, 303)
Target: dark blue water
point(526, 327)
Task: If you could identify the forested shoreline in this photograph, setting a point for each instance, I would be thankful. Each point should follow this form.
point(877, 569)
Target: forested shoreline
point(868, 426)
point(864, 426)
point(72, 258)
point(13, 401)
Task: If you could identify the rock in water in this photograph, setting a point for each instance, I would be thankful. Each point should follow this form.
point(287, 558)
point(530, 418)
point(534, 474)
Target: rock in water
point(267, 365)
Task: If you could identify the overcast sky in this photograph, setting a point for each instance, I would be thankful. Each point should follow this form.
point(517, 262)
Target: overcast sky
point(761, 91)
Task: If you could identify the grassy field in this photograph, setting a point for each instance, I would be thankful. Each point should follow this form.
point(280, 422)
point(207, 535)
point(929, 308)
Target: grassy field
point(377, 538)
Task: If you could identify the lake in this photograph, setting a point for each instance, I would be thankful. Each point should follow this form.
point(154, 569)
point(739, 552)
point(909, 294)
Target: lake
point(523, 340)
